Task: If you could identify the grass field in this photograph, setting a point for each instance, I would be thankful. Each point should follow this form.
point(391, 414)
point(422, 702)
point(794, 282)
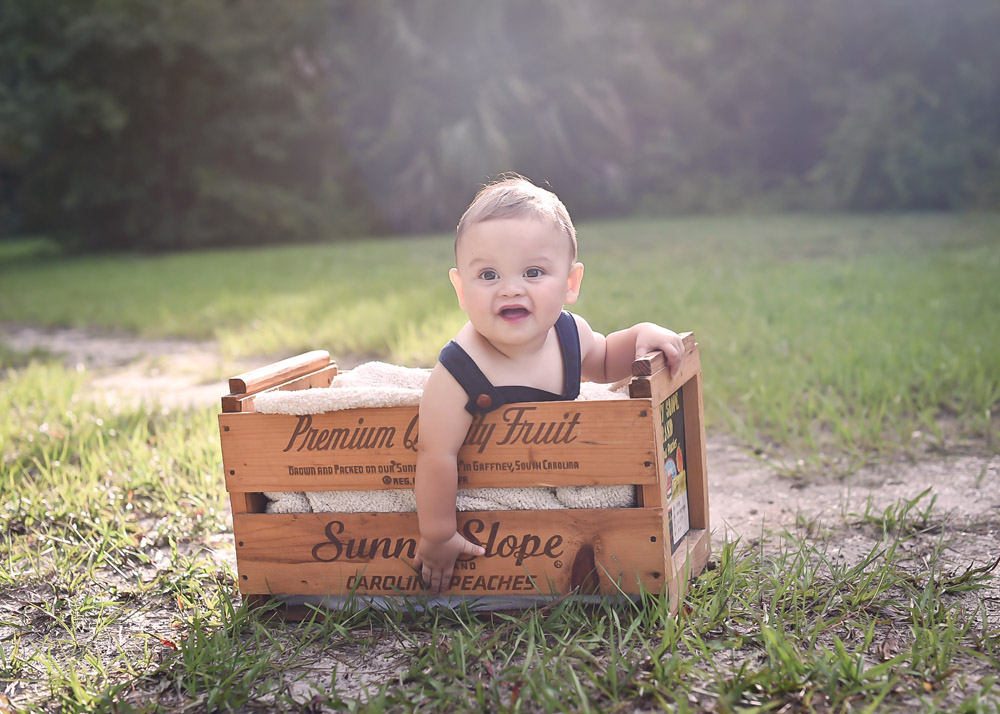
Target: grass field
point(819, 335)
point(825, 341)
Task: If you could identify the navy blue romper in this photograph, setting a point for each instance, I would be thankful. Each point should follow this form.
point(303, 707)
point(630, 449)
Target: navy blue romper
point(484, 397)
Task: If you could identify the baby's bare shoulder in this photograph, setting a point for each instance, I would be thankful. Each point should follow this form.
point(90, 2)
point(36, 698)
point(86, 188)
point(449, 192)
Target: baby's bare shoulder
point(444, 420)
point(442, 387)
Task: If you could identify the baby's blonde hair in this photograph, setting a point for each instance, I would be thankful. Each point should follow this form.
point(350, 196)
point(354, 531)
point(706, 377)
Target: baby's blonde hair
point(513, 196)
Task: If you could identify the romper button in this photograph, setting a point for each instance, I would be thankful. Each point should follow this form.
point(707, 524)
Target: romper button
point(484, 401)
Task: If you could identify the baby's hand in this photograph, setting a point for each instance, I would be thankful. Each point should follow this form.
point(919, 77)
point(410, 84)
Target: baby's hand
point(650, 337)
point(436, 561)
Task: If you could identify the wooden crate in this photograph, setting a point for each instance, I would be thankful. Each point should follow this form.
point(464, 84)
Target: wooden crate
point(654, 440)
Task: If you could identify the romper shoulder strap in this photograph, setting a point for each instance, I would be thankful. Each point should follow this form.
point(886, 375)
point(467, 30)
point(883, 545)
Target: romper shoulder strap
point(483, 396)
point(569, 341)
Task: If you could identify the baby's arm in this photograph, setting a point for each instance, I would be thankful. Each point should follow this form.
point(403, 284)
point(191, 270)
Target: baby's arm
point(444, 423)
point(608, 359)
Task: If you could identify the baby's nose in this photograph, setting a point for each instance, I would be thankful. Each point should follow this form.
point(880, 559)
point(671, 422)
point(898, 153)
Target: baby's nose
point(512, 286)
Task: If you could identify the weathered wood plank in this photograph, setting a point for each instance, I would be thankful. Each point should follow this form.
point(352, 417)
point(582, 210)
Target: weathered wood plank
point(527, 552)
point(268, 376)
point(321, 378)
point(529, 444)
point(660, 385)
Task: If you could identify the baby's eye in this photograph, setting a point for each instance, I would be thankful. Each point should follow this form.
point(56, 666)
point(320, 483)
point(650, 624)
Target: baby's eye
point(489, 274)
point(534, 273)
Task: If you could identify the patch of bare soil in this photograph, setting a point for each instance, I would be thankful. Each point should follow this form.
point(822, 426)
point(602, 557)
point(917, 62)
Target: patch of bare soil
point(749, 499)
point(172, 373)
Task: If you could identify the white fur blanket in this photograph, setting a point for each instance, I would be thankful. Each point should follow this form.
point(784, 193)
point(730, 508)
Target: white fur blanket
point(377, 384)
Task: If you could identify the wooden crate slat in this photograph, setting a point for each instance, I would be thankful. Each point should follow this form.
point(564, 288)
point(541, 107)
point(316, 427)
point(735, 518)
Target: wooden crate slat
point(660, 385)
point(695, 553)
point(697, 468)
point(322, 377)
point(376, 448)
point(278, 372)
point(527, 552)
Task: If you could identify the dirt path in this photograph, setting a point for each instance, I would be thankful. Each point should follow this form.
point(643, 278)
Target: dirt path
point(172, 373)
point(747, 496)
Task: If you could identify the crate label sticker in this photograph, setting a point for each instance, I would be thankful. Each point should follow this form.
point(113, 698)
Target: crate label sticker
point(678, 516)
point(672, 419)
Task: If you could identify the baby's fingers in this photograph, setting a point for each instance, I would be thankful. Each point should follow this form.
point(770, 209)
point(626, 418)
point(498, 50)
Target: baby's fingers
point(674, 355)
point(431, 579)
point(470, 548)
point(438, 580)
point(445, 582)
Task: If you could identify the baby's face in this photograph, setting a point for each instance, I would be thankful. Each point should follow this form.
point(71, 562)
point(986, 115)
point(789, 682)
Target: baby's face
point(513, 277)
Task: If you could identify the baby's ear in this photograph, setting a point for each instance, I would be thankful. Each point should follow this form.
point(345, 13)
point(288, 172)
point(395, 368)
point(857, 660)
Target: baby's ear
point(573, 283)
point(456, 282)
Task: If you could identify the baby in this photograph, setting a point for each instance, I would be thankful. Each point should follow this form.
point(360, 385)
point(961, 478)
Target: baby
point(516, 267)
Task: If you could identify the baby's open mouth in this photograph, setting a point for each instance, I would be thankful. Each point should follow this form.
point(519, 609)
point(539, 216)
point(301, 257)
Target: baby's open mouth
point(514, 314)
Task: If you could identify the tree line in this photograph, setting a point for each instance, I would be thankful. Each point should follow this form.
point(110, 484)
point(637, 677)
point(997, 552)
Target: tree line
point(175, 124)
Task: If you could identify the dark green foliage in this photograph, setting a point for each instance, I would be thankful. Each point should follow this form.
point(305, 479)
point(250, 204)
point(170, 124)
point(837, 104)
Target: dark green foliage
point(164, 124)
